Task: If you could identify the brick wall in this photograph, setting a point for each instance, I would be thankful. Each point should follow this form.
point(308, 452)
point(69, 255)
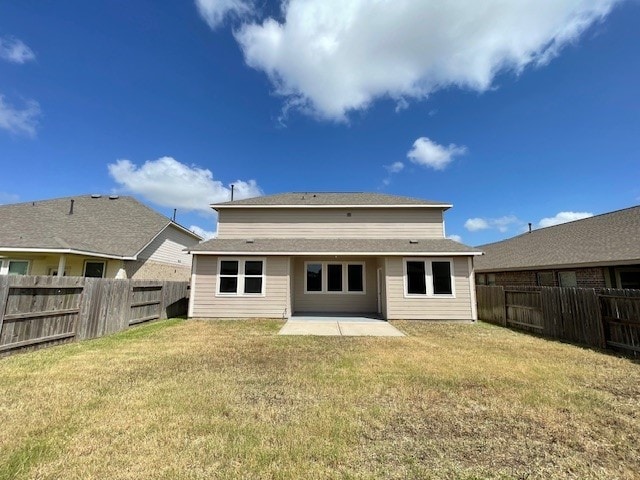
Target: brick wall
point(585, 277)
point(150, 270)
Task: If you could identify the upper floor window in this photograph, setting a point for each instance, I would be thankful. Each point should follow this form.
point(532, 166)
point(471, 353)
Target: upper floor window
point(430, 277)
point(241, 276)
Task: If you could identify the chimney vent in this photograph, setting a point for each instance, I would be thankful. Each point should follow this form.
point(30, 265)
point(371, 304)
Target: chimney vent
point(71, 207)
point(529, 227)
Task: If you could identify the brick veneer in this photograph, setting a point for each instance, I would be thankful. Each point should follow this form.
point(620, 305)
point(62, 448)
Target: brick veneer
point(586, 277)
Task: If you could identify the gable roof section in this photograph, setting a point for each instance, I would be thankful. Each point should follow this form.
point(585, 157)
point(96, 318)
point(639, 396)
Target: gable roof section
point(330, 199)
point(112, 227)
point(610, 238)
point(349, 246)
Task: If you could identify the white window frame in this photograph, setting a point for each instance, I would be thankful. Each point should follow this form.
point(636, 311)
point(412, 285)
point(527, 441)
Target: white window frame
point(428, 272)
point(104, 267)
point(241, 276)
point(4, 265)
point(345, 277)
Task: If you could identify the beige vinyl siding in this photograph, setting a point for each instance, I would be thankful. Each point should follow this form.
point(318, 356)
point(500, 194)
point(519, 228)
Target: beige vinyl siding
point(334, 302)
point(331, 223)
point(168, 247)
point(205, 303)
point(429, 307)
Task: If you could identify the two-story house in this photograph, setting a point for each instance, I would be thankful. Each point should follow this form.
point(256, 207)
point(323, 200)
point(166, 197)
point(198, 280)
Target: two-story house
point(369, 253)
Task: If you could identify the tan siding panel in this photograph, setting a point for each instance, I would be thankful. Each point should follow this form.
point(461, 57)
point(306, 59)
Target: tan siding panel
point(331, 223)
point(168, 248)
point(273, 305)
point(338, 302)
point(428, 308)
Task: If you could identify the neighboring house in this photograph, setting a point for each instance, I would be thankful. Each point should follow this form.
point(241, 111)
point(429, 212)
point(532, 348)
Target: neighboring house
point(332, 253)
point(93, 236)
point(600, 251)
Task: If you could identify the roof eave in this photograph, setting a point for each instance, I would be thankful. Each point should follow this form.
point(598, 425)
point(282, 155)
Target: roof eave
point(71, 251)
point(603, 263)
point(338, 253)
point(439, 206)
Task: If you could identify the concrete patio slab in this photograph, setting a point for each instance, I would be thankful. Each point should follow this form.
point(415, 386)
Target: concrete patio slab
point(339, 326)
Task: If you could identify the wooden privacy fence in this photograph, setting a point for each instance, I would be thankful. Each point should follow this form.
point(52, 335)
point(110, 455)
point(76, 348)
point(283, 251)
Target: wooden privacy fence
point(37, 311)
point(604, 318)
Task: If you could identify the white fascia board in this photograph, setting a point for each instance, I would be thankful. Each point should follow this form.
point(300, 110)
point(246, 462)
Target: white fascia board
point(65, 250)
point(351, 254)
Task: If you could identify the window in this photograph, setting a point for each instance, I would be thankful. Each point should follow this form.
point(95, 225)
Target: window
point(314, 277)
point(16, 267)
point(567, 279)
point(416, 278)
point(491, 279)
point(481, 279)
point(334, 277)
point(241, 276)
point(340, 278)
point(545, 279)
point(428, 277)
point(94, 269)
point(355, 277)
point(441, 278)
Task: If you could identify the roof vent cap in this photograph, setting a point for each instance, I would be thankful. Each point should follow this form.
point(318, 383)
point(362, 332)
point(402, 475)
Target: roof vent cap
point(95, 195)
point(114, 197)
point(250, 240)
point(413, 241)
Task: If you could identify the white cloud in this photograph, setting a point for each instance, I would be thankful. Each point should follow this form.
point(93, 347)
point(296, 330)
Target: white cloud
point(169, 183)
point(214, 11)
point(395, 167)
point(19, 121)
point(475, 224)
point(330, 57)
point(455, 238)
point(428, 153)
point(205, 234)
point(15, 51)
point(563, 217)
point(501, 224)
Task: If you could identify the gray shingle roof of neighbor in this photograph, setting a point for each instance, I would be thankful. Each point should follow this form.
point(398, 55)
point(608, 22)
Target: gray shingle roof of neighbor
point(609, 238)
point(328, 199)
point(325, 246)
point(118, 227)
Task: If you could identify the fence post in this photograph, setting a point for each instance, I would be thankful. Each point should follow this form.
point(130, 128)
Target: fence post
point(600, 319)
point(4, 295)
point(504, 307)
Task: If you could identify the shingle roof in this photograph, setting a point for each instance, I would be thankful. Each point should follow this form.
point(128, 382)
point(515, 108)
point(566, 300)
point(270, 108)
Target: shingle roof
point(609, 238)
point(118, 227)
point(330, 199)
point(325, 246)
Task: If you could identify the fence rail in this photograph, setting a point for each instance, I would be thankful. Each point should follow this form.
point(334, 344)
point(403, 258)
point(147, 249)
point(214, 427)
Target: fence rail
point(604, 318)
point(44, 310)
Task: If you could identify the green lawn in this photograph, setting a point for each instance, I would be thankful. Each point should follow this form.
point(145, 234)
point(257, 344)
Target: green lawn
point(192, 399)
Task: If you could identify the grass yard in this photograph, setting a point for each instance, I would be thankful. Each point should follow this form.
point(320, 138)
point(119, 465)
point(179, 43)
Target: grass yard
point(194, 400)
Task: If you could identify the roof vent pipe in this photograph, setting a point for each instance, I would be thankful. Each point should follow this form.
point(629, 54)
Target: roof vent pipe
point(529, 227)
point(175, 210)
point(232, 187)
point(71, 207)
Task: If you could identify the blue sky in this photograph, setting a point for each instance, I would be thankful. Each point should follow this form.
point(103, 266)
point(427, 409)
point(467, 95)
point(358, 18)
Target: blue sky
point(514, 112)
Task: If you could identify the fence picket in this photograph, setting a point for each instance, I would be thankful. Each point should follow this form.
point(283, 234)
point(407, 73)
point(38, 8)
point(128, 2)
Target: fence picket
point(603, 318)
point(43, 311)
